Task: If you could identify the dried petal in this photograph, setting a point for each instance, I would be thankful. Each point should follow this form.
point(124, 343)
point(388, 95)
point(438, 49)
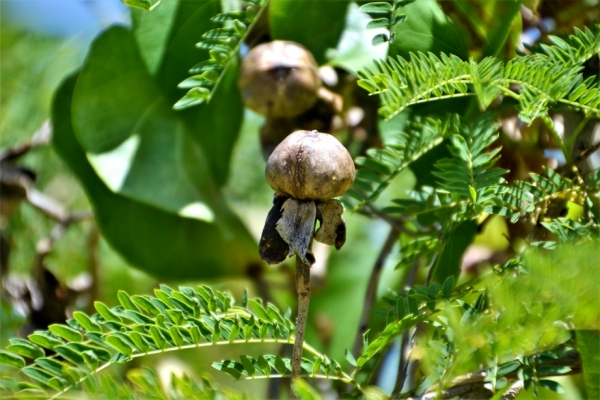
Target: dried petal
point(272, 248)
point(296, 227)
point(333, 228)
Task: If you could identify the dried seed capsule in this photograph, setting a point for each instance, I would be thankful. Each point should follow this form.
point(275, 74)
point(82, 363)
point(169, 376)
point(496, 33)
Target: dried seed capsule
point(309, 165)
point(279, 79)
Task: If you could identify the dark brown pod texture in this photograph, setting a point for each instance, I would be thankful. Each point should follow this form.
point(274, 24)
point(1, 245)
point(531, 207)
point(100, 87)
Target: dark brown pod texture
point(279, 79)
point(272, 248)
point(309, 165)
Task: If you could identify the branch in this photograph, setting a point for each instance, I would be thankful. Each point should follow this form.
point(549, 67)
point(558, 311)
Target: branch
point(371, 294)
point(303, 289)
point(474, 385)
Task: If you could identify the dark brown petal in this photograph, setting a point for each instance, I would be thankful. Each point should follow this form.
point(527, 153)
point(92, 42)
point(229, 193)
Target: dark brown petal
point(272, 248)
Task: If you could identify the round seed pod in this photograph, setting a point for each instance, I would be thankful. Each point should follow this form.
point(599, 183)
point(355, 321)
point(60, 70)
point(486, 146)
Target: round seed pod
point(309, 165)
point(279, 79)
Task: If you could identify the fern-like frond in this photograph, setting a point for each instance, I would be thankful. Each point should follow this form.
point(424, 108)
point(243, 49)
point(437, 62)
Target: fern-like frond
point(147, 385)
point(385, 15)
point(270, 366)
point(536, 82)
point(381, 166)
point(223, 45)
point(569, 231)
point(427, 205)
point(65, 355)
point(575, 49)
point(535, 197)
point(541, 81)
point(470, 175)
point(424, 77)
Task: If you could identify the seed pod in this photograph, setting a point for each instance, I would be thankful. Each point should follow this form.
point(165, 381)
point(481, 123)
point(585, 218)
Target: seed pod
point(308, 165)
point(279, 79)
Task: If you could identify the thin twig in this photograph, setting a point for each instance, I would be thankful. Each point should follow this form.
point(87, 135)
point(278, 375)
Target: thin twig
point(303, 289)
point(470, 384)
point(556, 136)
point(371, 294)
point(513, 391)
point(406, 336)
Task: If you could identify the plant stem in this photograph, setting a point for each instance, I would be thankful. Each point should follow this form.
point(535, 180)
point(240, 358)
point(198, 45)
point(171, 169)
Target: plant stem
point(556, 137)
point(303, 290)
point(575, 134)
point(371, 295)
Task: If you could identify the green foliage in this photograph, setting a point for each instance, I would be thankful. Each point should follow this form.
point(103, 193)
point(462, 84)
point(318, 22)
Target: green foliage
point(151, 227)
point(542, 80)
point(381, 166)
point(325, 17)
point(223, 45)
point(588, 344)
point(385, 15)
point(153, 177)
point(144, 325)
point(426, 28)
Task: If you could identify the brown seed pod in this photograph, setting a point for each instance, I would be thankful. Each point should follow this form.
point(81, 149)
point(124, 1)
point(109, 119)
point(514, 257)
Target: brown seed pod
point(309, 165)
point(279, 79)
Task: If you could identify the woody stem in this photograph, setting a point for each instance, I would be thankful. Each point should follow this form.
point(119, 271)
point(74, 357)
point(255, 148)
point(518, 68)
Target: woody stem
point(303, 289)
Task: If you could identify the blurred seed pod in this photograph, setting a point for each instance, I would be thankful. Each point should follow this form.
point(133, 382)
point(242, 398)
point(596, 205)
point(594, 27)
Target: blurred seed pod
point(279, 79)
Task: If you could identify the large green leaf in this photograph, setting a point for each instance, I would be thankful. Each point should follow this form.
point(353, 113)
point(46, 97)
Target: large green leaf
point(588, 343)
point(426, 28)
point(355, 50)
point(132, 137)
point(162, 243)
point(315, 24)
point(166, 38)
point(455, 244)
point(489, 28)
point(151, 31)
point(206, 123)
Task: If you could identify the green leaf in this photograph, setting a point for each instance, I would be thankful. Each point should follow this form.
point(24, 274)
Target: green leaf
point(350, 357)
point(280, 365)
point(325, 17)
point(231, 368)
point(45, 339)
point(85, 321)
point(194, 97)
point(8, 358)
point(126, 301)
point(259, 309)
point(43, 377)
point(70, 354)
point(228, 16)
point(106, 312)
point(455, 244)
point(158, 338)
point(304, 390)
point(378, 23)
point(119, 344)
point(426, 28)
point(143, 4)
point(248, 364)
point(551, 385)
point(25, 348)
point(151, 32)
point(100, 353)
point(66, 332)
point(376, 8)
point(380, 39)
point(588, 343)
point(507, 368)
point(51, 365)
point(142, 241)
point(448, 286)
